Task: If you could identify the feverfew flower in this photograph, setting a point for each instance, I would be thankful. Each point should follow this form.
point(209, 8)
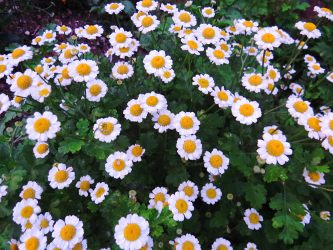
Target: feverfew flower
point(308, 29)
point(252, 219)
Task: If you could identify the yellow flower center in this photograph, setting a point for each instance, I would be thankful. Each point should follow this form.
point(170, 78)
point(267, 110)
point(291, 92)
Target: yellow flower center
point(84, 185)
point(316, 67)
point(83, 69)
point(185, 17)
point(216, 161)
point(222, 247)
point(222, 95)
point(208, 33)
point(41, 125)
point(275, 148)
point(248, 24)
point(27, 211)
point(62, 46)
point(61, 176)
point(314, 176)
point(326, 10)
point(158, 62)
point(192, 44)
point(124, 49)
point(44, 223)
point(68, 232)
point(18, 53)
point(114, 6)
point(300, 106)
point(39, 69)
point(147, 21)
point(167, 74)
point(188, 191)
point(24, 82)
point(272, 74)
point(255, 80)
point(100, 192)
point(2, 68)
point(118, 164)
point(224, 47)
point(209, 11)
point(18, 99)
point(13, 246)
point(63, 28)
point(164, 120)
point(186, 122)
point(254, 218)
point(203, 83)
point(310, 26)
point(44, 92)
point(181, 206)
point(152, 101)
point(330, 140)
point(270, 86)
point(159, 197)
point(314, 123)
point(106, 128)
point(189, 146)
point(49, 35)
point(268, 38)
point(32, 243)
point(132, 232)
point(137, 150)
point(246, 109)
point(68, 54)
point(78, 246)
point(147, 3)
point(136, 110)
point(91, 29)
point(29, 193)
point(218, 54)
point(95, 89)
point(120, 38)
point(188, 245)
point(211, 193)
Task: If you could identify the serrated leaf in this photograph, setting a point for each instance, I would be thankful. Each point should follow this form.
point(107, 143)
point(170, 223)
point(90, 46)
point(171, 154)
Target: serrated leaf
point(255, 195)
point(70, 145)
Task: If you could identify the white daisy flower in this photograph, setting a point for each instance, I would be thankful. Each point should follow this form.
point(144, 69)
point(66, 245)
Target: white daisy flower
point(31, 191)
point(146, 5)
point(208, 34)
point(328, 144)
point(22, 83)
point(63, 30)
point(17, 101)
point(246, 112)
point(106, 129)
point(308, 29)
point(68, 232)
point(252, 219)
point(169, 8)
point(251, 246)
point(68, 55)
point(272, 130)
point(208, 12)
point(192, 45)
point(217, 56)
point(153, 102)
point(273, 74)
point(6, 68)
point(297, 107)
point(120, 38)
point(156, 62)
point(38, 40)
point(167, 75)
point(222, 97)
point(210, 194)
point(147, 23)
point(315, 68)
point(186, 123)
point(96, 90)
point(60, 176)
point(60, 47)
point(274, 149)
point(158, 198)
point(189, 147)
point(135, 152)
point(204, 82)
point(325, 215)
point(251, 51)
point(221, 243)
point(63, 78)
point(131, 232)
point(180, 206)
point(190, 189)
point(114, 8)
point(49, 36)
point(215, 162)
point(311, 124)
point(84, 185)
point(163, 120)
point(83, 70)
point(41, 92)
point(42, 127)
point(305, 219)
point(246, 26)
point(324, 12)
point(82, 245)
point(254, 82)
point(91, 32)
point(118, 165)
point(316, 178)
point(187, 241)
point(33, 239)
point(4, 103)
point(26, 210)
point(184, 18)
point(134, 111)
point(271, 89)
point(20, 54)
point(45, 223)
point(83, 48)
point(267, 38)
point(99, 193)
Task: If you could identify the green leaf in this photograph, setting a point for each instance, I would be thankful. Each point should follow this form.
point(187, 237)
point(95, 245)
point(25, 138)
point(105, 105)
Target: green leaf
point(275, 173)
point(70, 145)
point(83, 126)
point(255, 194)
